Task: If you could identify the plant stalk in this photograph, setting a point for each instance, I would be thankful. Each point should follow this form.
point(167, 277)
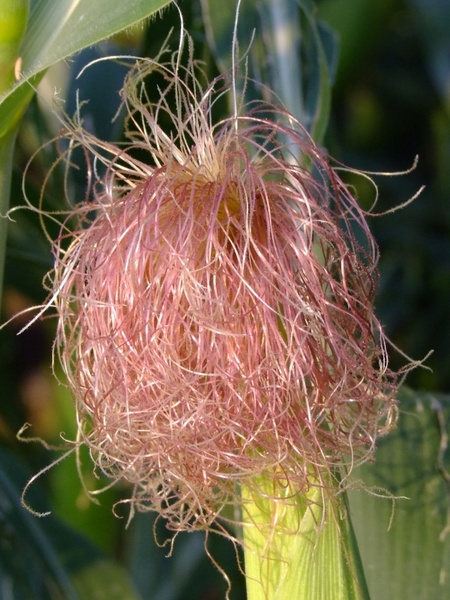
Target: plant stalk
point(7, 143)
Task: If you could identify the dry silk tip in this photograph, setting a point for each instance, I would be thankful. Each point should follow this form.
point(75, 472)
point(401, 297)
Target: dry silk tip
point(216, 318)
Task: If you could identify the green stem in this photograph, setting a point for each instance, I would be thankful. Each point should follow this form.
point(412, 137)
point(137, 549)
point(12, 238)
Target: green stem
point(13, 22)
point(7, 143)
point(300, 547)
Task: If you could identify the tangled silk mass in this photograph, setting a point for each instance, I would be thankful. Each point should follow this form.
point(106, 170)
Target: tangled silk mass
point(215, 307)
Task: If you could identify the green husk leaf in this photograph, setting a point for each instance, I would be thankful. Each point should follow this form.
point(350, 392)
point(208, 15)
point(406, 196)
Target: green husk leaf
point(311, 553)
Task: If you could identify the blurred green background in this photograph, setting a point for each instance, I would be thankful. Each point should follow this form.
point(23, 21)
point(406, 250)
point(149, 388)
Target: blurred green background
point(390, 102)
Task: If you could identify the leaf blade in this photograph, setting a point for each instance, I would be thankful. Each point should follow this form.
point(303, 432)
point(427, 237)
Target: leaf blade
point(57, 30)
point(405, 546)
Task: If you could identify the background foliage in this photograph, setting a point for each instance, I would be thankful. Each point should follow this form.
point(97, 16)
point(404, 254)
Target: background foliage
point(390, 102)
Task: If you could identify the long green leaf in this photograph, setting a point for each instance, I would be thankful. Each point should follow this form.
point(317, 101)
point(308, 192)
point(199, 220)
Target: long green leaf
point(290, 52)
point(58, 29)
point(405, 543)
point(25, 532)
point(44, 559)
point(13, 21)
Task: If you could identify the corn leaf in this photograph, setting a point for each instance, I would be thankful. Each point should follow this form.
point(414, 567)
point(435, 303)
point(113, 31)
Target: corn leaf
point(405, 543)
point(58, 29)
